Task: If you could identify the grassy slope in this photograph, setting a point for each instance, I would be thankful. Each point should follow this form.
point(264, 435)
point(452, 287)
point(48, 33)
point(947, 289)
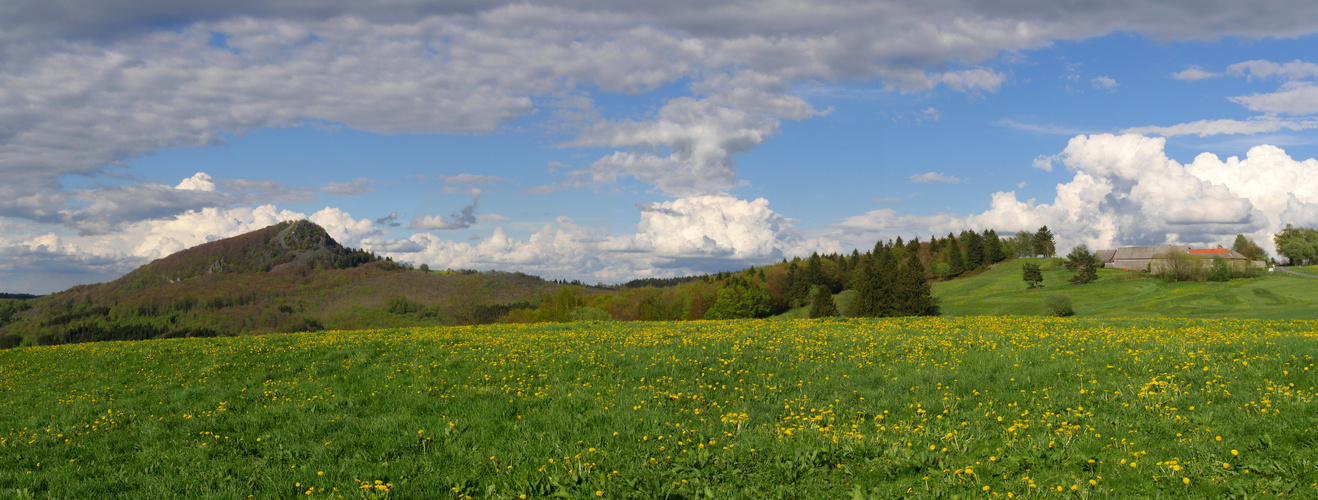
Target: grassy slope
point(1000, 291)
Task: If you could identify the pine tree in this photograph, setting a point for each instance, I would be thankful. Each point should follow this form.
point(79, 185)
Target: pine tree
point(993, 253)
point(1083, 263)
point(885, 283)
point(823, 305)
point(954, 257)
point(1030, 273)
point(865, 303)
point(1044, 243)
point(974, 246)
point(918, 296)
point(814, 271)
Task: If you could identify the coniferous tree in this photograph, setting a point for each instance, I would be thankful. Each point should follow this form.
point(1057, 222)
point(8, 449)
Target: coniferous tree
point(798, 288)
point(885, 282)
point(823, 305)
point(993, 252)
point(1030, 273)
point(1044, 243)
point(865, 303)
point(954, 257)
point(1083, 264)
point(974, 248)
point(814, 271)
point(918, 295)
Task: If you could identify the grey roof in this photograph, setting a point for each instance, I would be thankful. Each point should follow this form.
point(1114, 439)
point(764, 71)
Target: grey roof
point(1105, 255)
point(1134, 253)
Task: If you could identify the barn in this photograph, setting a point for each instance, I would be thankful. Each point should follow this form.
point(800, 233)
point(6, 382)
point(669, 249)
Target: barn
point(1147, 258)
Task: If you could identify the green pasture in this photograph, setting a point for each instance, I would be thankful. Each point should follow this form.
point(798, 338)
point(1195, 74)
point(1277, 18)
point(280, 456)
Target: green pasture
point(1000, 291)
point(977, 407)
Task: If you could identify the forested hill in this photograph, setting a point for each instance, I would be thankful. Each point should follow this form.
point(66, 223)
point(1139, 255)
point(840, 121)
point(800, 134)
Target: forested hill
point(288, 277)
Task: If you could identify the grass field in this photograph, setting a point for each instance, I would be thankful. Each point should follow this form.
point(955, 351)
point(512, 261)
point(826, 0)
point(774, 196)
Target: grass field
point(1000, 291)
point(928, 408)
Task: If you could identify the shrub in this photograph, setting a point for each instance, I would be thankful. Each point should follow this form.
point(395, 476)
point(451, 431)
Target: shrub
point(1220, 271)
point(399, 304)
point(1058, 305)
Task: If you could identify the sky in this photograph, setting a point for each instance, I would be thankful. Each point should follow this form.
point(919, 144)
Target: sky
point(608, 141)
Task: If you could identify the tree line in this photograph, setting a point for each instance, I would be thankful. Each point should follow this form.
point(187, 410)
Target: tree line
point(891, 279)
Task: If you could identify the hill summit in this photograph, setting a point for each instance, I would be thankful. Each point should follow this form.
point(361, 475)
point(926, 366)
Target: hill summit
point(281, 246)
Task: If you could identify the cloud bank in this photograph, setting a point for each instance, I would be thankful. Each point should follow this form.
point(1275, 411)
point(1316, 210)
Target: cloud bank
point(1124, 190)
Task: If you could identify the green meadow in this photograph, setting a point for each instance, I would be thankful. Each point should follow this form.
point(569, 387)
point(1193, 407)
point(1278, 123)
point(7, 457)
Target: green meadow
point(1118, 294)
point(984, 407)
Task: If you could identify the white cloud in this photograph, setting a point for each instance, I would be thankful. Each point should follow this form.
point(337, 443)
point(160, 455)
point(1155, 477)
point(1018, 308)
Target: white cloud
point(1044, 162)
point(198, 182)
point(1294, 70)
point(1194, 73)
point(1294, 98)
point(1103, 82)
point(1204, 128)
point(678, 237)
point(1126, 191)
point(935, 177)
point(701, 135)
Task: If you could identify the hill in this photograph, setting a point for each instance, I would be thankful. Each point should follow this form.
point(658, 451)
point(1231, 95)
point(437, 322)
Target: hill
point(288, 277)
point(1000, 291)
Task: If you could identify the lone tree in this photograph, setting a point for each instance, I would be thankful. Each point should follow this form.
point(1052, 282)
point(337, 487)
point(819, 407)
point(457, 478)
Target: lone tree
point(1082, 264)
point(823, 306)
point(1031, 274)
point(1044, 244)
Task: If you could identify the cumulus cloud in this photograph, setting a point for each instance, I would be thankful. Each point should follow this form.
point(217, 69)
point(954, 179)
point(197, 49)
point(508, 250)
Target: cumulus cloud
point(1103, 82)
point(677, 237)
point(198, 182)
point(1126, 191)
point(1194, 73)
point(935, 177)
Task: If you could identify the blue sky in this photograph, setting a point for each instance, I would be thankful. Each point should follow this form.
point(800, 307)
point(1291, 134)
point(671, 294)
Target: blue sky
point(623, 141)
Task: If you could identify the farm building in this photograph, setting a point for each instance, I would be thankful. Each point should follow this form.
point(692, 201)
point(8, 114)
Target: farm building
point(1148, 258)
